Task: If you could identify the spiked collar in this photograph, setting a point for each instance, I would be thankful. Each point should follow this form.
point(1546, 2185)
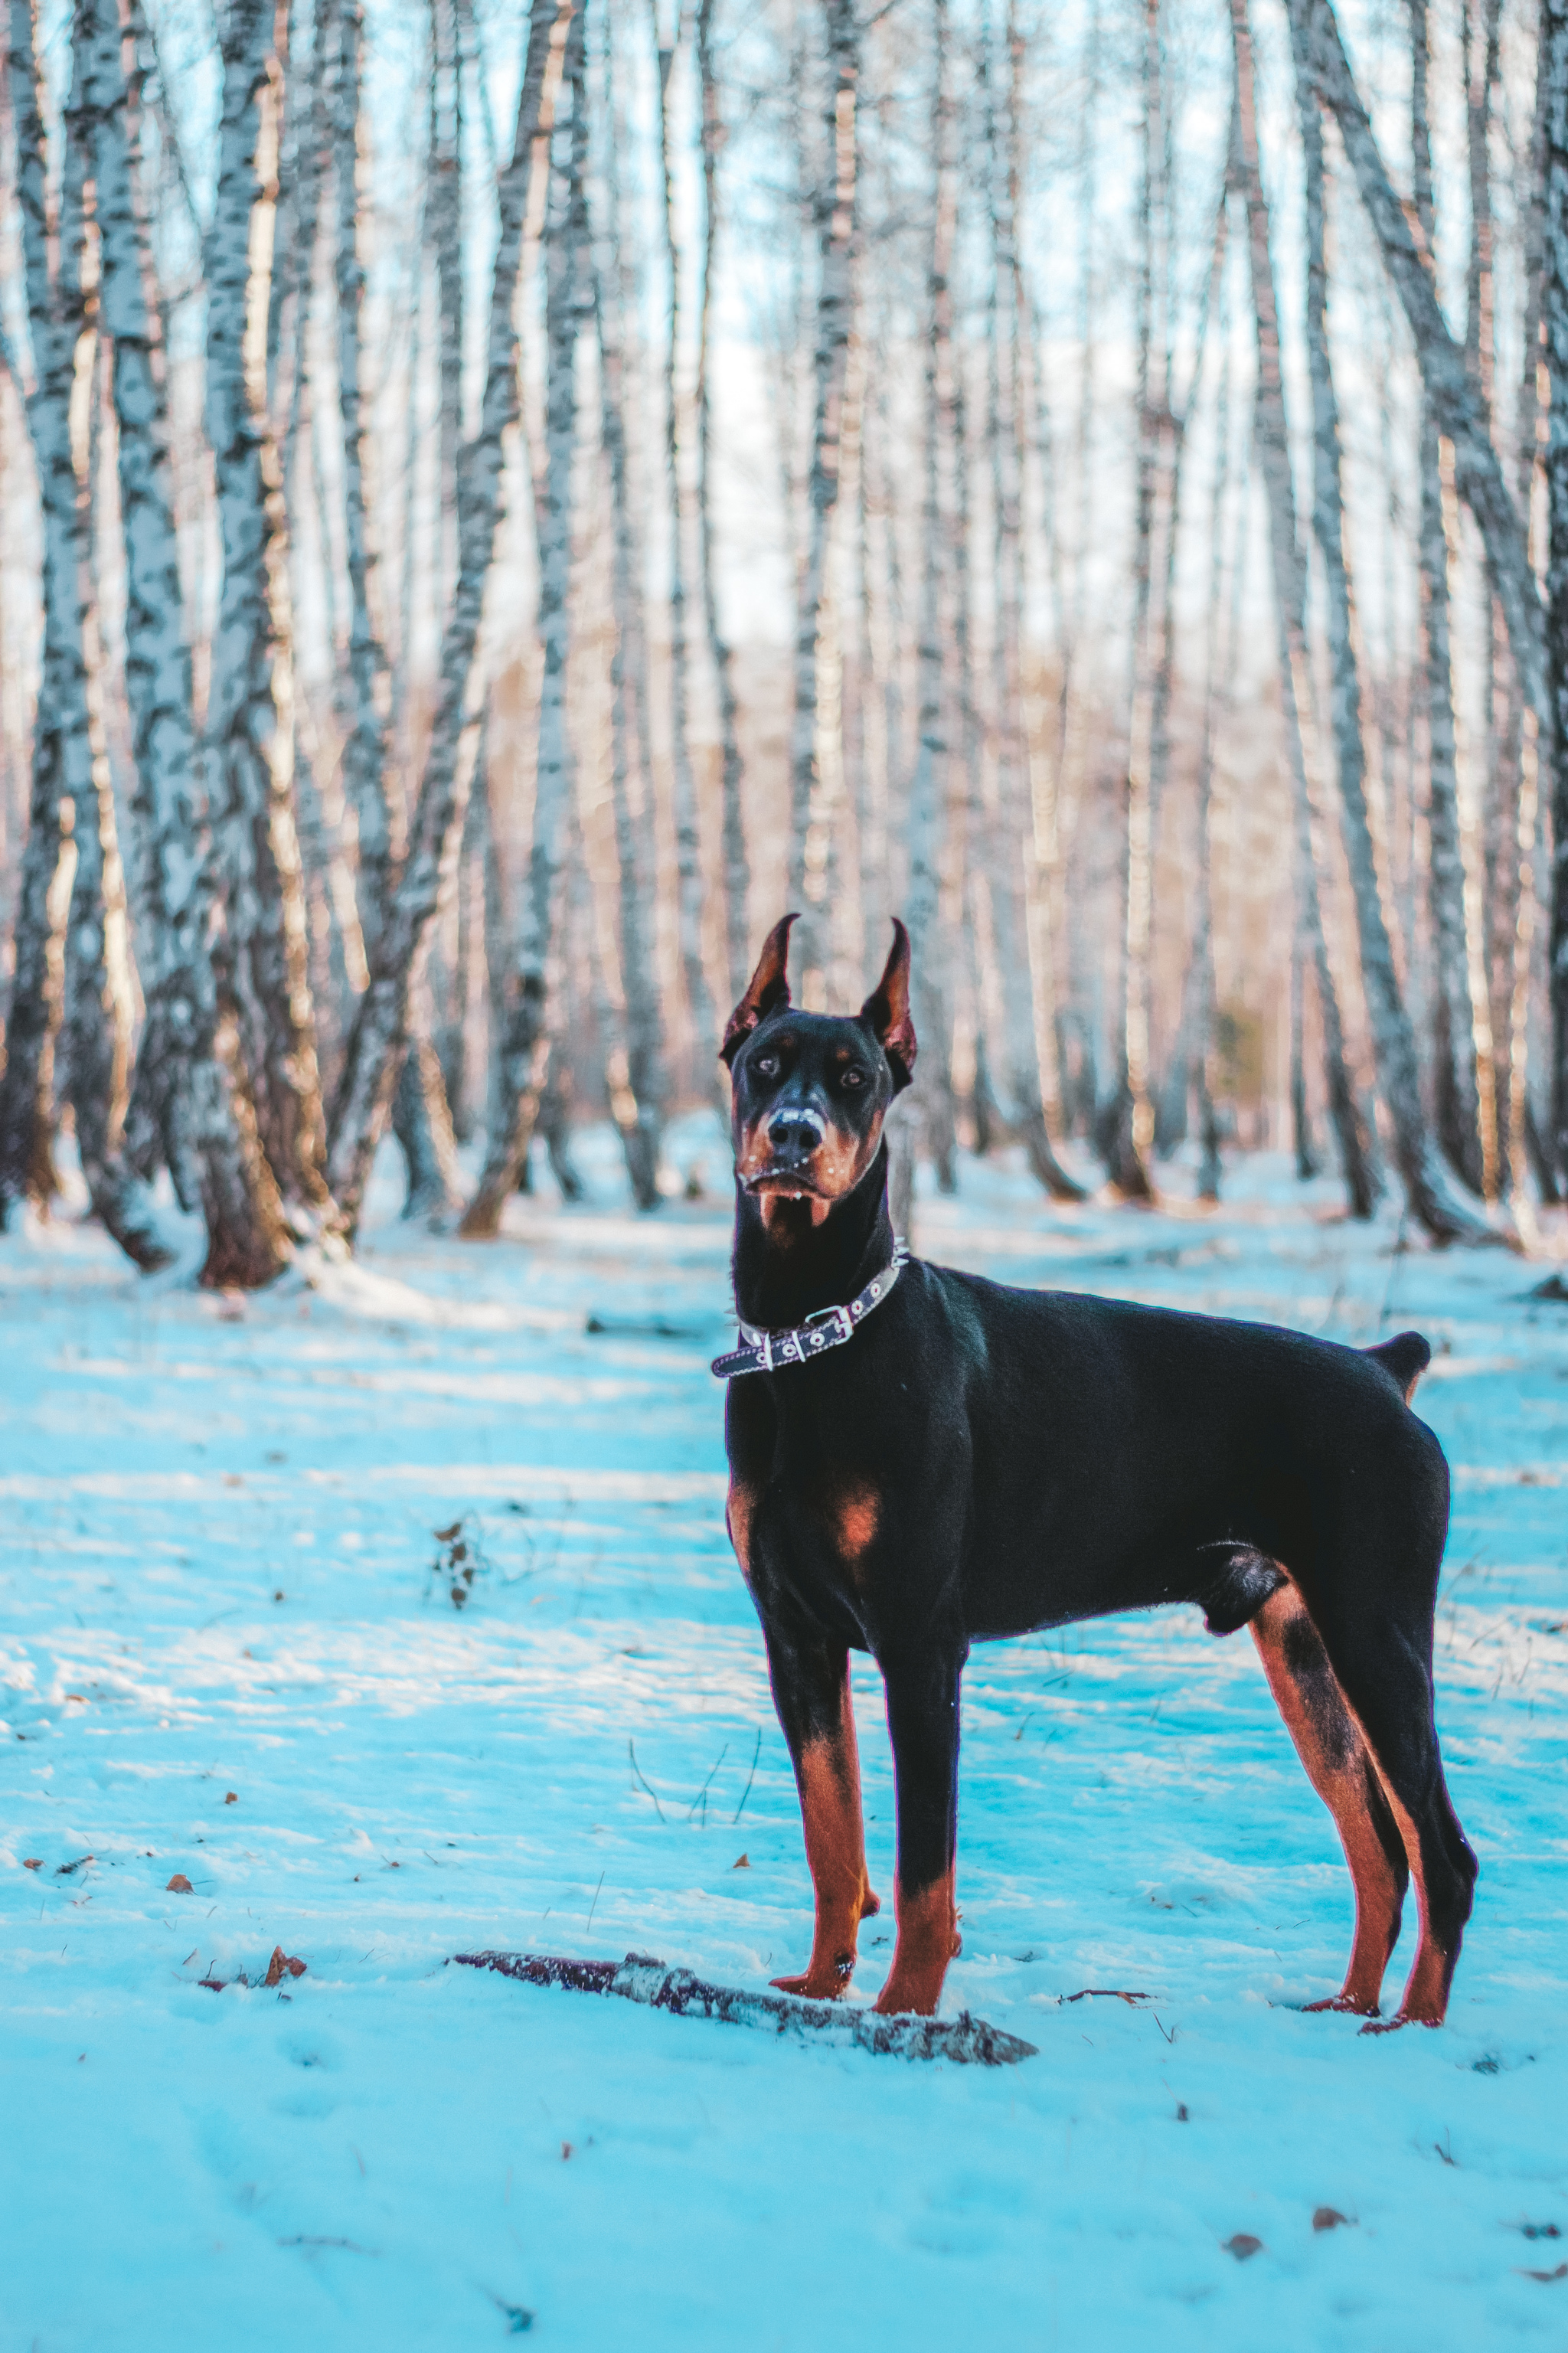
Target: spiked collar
point(830, 1327)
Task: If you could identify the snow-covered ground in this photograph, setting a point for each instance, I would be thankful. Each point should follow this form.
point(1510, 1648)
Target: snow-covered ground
point(223, 1655)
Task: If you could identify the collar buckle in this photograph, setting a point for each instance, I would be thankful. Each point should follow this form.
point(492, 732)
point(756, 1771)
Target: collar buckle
point(842, 1321)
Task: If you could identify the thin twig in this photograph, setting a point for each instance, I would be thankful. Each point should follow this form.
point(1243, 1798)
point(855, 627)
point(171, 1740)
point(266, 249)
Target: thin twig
point(750, 1779)
point(595, 1905)
point(631, 1752)
point(701, 1794)
point(1394, 1270)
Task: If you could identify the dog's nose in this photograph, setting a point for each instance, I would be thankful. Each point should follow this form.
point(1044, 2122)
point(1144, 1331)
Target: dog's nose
point(795, 1134)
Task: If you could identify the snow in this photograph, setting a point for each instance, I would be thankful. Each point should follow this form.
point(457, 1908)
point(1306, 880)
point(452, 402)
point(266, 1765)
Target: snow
point(216, 1577)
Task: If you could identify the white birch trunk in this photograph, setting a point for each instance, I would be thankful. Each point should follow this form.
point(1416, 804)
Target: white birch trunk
point(520, 1057)
point(1202, 964)
point(251, 740)
point(1449, 388)
point(190, 1100)
point(366, 747)
point(70, 979)
point(1289, 584)
point(95, 1032)
point(703, 1037)
point(1127, 1126)
point(420, 1115)
point(61, 771)
point(930, 1098)
point(445, 221)
point(1553, 66)
point(1431, 1199)
point(360, 1108)
point(1020, 904)
point(1172, 1106)
point(1457, 1105)
point(453, 1038)
point(736, 869)
point(639, 1094)
point(836, 207)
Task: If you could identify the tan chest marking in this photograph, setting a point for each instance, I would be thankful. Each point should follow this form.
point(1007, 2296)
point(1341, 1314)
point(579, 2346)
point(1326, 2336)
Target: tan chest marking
point(856, 1514)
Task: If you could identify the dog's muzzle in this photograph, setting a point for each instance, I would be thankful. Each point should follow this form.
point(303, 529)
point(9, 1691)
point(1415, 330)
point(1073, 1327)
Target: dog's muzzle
point(794, 1135)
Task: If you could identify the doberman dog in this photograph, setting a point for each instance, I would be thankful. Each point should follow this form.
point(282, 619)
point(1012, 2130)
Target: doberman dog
point(921, 1460)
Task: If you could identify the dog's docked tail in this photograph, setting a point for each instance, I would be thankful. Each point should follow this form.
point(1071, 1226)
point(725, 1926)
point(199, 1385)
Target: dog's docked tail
point(1407, 1356)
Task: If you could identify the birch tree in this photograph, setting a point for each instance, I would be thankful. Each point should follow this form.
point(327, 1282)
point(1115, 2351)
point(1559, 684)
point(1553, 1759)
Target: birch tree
point(1553, 69)
point(1289, 582)
point(835, 205)
point(1171, 1110)
point(932, 1090)
point(420, 1114)
point(1447, 382)
point(190, 1101)
point(250, 742)
point(1203, 963)
point(520, 1057)
point(1456, 1099)
point(1127, 1125)
point(360, 1107)
point(70, 981)
point(62, 339)
point(638, 1100)
point(1431, 1199)
point(95, 1030)
point(688, 841)
point(732, 837)
point(1021, 897)
point(365, 752)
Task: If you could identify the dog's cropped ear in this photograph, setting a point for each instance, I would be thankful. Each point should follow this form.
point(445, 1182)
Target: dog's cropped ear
point(766, 991)
point(888, 1011)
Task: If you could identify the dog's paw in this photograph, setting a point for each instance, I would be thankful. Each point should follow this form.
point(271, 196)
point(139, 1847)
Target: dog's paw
point(820, 1982)
point(911, 2002)
point(1344, 2005)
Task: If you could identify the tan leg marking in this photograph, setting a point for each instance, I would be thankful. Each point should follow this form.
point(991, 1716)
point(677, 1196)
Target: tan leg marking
point(1425, 2001)
point(739, 1508)
point(828, 1776)
point(1336, 1757)
point(928, 1939)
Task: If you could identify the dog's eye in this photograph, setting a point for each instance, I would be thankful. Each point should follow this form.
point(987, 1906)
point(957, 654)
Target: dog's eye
point(766, 1066)
point(851, 1078)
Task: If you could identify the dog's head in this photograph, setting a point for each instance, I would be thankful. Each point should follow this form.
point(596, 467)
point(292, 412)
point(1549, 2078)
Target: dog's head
point(810, 1090)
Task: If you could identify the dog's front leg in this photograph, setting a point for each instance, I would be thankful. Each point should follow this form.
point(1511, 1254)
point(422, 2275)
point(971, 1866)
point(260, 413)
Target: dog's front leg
point(811, 1692)
point(923, 1721)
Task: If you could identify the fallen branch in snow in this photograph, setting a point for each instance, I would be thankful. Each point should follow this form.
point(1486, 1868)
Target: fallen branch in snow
point(639, 1978)
point(1106, 1993)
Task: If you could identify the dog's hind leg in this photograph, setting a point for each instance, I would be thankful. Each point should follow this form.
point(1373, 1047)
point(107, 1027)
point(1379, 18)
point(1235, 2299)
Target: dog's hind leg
point(1372, 1599)
point(1391, 1698)
point(1341, 1770)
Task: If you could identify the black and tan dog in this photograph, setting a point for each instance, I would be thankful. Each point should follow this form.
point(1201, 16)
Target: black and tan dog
point(977, 1461)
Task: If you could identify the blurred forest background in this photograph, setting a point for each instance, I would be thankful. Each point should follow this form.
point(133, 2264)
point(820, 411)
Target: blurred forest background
point(501, 499)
